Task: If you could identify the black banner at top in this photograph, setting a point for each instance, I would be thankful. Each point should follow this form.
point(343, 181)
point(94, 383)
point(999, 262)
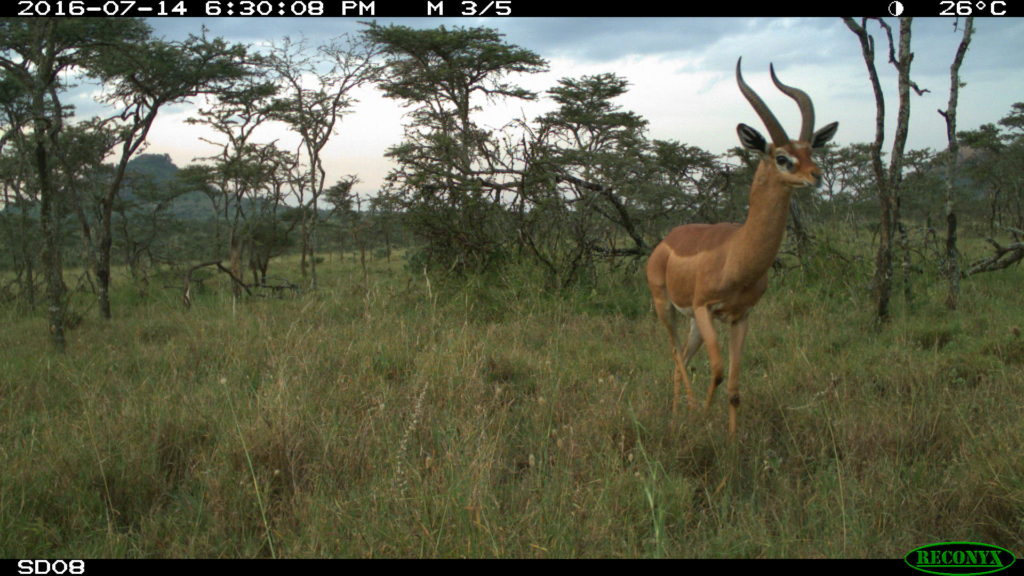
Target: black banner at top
point(502, 8)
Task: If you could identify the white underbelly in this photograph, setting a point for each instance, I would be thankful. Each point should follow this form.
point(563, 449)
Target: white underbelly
point(688, 312)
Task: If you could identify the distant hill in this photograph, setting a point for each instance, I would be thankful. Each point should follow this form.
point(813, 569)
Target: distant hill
point(157, 166)
point(162, 170)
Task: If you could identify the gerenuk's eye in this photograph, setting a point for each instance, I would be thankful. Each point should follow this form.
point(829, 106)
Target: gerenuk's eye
point(784, 162)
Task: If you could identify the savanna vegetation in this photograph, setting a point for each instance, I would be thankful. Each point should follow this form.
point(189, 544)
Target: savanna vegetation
point(237, 358)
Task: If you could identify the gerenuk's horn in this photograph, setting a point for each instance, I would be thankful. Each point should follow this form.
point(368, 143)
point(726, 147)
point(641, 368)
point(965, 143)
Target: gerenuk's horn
point(775, 130)
point(803, 101)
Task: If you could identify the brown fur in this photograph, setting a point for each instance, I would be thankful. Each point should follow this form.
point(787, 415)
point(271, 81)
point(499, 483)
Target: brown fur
point(720, 271)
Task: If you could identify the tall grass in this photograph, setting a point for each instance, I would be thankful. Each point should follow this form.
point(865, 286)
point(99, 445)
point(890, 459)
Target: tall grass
point(411, 416)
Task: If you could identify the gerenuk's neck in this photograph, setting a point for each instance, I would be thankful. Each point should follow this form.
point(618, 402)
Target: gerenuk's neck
point(757, 242)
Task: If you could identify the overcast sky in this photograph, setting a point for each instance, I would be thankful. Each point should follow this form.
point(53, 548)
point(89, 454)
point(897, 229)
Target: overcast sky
point(681, 76)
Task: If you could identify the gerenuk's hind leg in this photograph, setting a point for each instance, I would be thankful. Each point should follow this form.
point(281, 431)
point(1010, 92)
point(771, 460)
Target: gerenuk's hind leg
point(693, 343)
point(669, 316)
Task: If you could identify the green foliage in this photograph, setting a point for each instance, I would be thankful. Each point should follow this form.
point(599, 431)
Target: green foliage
point(450, 64)
point(445, 177)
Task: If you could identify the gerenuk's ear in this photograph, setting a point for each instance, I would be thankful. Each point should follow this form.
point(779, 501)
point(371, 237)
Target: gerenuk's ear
point(822, 136)
point(752, 139)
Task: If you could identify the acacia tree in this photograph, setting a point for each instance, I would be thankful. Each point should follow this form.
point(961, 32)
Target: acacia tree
point(270, 227)
point(37, 55)
point(952, 255)
point(595, 187)
point(244, 175)
point(19, 225)
point(887, 181)
point(80, 172)
point(341, 198)
point(692, 184)
point(848, 180)
point(145, 76)
point(312, 102)
point(449, 179)
point(997, 164)
point(586, 163)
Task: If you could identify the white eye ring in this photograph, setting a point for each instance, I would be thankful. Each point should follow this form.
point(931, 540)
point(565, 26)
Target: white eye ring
point(784, 162)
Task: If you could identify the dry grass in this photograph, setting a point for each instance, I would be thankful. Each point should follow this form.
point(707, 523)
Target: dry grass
point(419, 418)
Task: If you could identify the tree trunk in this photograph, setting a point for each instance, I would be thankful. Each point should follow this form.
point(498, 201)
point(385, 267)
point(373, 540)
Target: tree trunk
point(50, 217)
point(882, 282)
point(235, 261)
point(888, 182)
point(803, 238)
point(952, 256)
point(103, 262)
point(28, 285)
point(46, 125)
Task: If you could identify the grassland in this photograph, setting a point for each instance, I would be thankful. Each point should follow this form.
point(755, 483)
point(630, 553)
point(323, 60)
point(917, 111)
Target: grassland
point(409, 416)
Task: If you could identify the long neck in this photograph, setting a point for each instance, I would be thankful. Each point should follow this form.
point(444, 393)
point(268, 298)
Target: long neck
point(757, 242)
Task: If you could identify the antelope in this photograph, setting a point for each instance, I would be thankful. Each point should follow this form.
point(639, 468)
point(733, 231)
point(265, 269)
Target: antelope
point(720, 271)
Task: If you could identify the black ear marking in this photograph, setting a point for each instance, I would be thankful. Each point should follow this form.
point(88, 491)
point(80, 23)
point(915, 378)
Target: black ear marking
point(824, 134)
point(752, 139)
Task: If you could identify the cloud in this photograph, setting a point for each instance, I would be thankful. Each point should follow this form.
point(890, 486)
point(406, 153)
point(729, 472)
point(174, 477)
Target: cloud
point(681, 74)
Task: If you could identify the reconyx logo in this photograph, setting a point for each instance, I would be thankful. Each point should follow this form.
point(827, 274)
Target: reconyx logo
point(959, 558)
